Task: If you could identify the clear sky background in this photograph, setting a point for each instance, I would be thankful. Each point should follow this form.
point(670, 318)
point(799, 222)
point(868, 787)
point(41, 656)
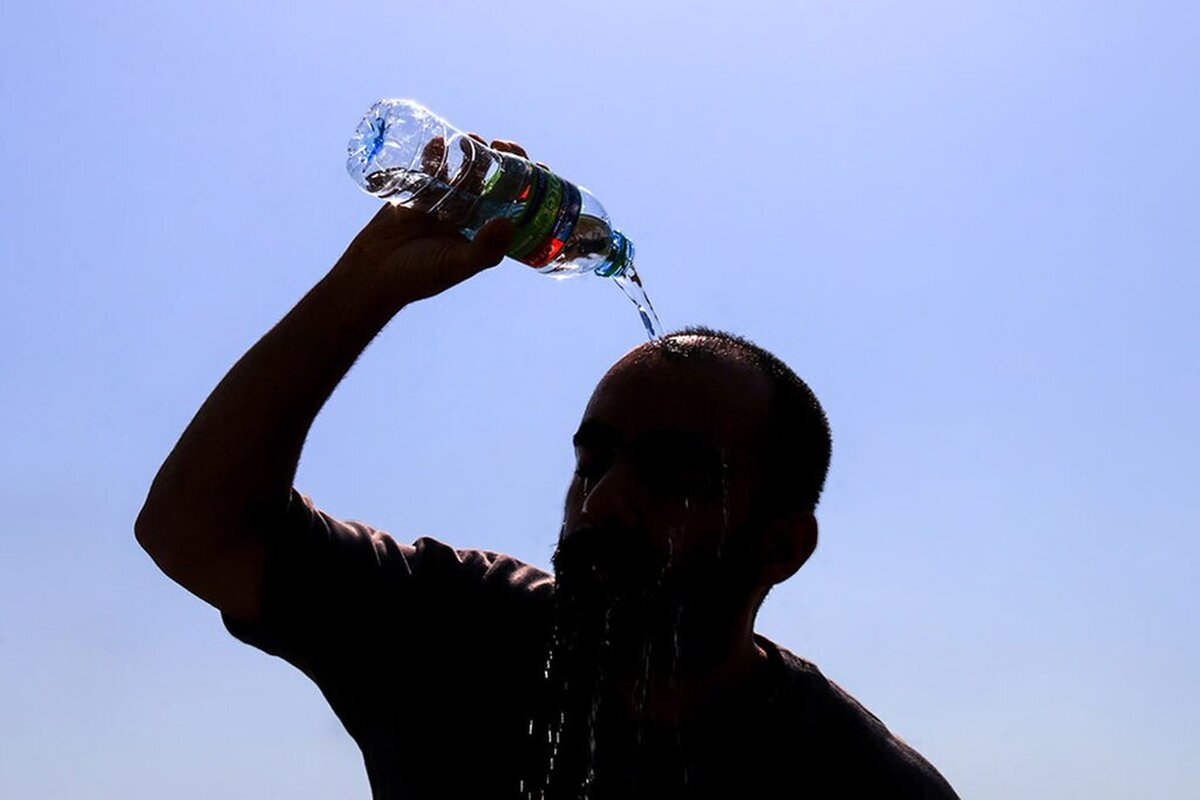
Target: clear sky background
point(972, 227)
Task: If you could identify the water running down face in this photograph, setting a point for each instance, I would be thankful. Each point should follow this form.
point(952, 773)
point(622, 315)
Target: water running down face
point(659, 522)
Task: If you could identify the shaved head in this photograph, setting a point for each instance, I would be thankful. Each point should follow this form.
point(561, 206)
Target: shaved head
point(797, 443)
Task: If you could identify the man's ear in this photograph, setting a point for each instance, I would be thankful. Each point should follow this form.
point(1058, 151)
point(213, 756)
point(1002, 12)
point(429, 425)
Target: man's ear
point(790, 539)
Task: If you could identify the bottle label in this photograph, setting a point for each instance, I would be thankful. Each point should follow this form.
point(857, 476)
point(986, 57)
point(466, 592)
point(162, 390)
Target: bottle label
point(564, 225)
point(548, 221)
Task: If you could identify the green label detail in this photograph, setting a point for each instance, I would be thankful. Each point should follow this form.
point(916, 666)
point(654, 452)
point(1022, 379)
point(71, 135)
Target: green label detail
point(536, 226)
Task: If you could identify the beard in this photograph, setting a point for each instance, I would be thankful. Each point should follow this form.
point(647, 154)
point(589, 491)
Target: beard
point(621, 604)
point(611, 594)
point(597, 562)
point(628, 619)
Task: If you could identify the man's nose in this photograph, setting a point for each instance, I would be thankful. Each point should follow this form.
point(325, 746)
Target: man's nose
point(611, 499)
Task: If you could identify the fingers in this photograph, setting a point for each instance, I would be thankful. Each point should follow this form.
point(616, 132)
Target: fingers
point(469, 162)
point(487, 249)
point(493, 240)
point(433, 164)
point(433, 158)
point(474, 168)
point(509, 147)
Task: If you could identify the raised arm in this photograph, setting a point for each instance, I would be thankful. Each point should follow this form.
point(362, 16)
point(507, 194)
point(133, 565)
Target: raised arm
point(230, 474)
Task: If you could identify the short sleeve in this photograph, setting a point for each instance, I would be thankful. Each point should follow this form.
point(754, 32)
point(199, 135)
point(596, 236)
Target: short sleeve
point(338, 595)
point(324, 583)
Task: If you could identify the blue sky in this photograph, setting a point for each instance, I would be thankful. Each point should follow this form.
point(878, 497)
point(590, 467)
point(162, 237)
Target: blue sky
point(970, 226)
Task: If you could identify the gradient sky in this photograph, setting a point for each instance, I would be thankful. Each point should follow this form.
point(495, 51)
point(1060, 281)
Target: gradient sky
point(972, 227)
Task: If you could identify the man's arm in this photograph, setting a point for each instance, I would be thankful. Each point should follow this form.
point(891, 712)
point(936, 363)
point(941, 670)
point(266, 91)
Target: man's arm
point(230, 475)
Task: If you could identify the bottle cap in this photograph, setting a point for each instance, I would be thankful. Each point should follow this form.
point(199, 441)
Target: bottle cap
point(620, 257)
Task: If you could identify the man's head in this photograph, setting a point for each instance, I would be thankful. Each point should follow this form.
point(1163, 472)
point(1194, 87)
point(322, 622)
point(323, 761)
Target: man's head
point(699, 461)
point(795, 432)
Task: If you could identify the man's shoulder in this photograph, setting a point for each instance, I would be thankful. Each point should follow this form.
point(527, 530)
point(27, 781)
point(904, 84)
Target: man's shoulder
point(456, 569)
point(850, 739)
point(490, 564)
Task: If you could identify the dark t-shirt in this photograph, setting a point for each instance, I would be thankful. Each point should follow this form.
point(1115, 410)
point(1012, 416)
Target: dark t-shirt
point(433, 659)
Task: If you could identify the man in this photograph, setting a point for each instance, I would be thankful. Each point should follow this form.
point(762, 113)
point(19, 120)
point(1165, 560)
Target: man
point(634, 671)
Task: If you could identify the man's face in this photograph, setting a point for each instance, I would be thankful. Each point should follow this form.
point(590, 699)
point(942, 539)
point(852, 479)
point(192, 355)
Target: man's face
point(658, 514)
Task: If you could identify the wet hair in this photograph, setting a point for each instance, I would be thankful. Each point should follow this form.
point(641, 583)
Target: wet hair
point(796, 441)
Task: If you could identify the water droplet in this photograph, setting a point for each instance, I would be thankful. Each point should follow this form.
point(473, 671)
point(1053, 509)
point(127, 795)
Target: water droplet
point(679, 751)
point(672, 682)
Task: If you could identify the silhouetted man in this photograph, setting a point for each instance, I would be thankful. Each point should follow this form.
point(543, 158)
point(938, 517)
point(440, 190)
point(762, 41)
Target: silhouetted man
point(633, 672)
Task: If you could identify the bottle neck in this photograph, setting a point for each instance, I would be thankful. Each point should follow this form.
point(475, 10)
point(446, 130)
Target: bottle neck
point(620, 257)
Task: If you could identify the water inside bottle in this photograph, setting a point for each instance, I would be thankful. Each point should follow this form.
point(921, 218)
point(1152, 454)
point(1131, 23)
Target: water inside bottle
point(555, 235)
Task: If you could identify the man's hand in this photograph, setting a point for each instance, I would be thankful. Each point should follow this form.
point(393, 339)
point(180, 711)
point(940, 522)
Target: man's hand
point(404, 255)
point(228, 479)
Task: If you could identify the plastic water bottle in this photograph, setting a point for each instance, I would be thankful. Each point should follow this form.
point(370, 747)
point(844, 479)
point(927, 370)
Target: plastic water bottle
point(404, 153)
